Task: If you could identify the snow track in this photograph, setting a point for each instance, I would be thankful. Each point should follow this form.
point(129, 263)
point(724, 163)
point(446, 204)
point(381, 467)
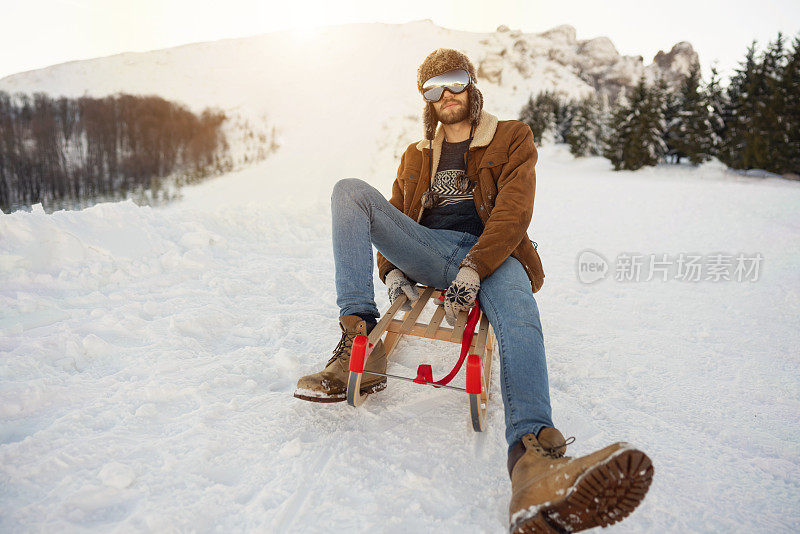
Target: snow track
point(148, 358)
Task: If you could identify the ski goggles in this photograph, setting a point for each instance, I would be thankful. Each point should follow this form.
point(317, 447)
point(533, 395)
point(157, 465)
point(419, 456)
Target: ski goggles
point(454, 81)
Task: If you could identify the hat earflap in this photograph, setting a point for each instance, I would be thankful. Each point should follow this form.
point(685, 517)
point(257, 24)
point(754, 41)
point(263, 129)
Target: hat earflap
point(429, 121)
point(475, 103)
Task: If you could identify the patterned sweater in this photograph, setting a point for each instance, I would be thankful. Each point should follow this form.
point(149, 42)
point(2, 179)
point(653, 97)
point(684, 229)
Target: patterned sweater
point(456, 210)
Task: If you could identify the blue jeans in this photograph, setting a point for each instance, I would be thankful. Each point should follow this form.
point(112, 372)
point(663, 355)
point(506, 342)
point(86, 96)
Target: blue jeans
point(363, 217)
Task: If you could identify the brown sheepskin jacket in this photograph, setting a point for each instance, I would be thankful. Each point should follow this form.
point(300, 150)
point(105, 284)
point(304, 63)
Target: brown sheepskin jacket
point(502, 158)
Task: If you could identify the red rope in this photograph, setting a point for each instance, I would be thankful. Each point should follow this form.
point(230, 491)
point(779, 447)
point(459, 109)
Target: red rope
point(466, 341)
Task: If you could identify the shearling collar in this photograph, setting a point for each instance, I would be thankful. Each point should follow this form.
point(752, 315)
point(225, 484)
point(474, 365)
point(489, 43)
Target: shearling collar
point(484, 132)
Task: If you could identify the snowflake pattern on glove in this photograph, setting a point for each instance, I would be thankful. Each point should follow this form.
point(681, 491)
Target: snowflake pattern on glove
point(461, 295)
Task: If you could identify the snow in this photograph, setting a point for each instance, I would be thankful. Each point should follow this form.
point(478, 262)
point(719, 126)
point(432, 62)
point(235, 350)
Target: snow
point(276, 78)
point(116, 475)
point(148, 356)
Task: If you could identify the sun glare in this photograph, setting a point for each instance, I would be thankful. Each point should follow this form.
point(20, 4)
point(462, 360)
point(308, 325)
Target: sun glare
point(305, 33)
point(305, 18)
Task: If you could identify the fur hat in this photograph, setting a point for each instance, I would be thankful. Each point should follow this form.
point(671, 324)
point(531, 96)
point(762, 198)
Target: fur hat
point(438, 62)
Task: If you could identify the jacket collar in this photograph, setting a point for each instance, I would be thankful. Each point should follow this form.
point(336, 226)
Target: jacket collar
point(482, 136)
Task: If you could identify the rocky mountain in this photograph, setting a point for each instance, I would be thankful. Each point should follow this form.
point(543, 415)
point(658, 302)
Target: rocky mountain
point(513, 57)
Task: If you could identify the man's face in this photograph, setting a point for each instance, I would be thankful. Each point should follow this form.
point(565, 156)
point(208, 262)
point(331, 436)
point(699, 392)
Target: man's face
point(451, 108)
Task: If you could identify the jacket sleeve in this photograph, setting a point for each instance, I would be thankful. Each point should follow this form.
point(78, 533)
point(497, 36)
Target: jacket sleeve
point(513, 209)
point(384, 265)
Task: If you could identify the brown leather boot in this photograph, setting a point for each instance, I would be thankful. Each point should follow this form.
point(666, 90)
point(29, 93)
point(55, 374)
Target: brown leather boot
point(330, 384)
point(554, 493)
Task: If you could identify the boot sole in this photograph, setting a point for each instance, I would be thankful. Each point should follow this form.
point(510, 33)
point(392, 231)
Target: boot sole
point(602, 495)
point(341, 397)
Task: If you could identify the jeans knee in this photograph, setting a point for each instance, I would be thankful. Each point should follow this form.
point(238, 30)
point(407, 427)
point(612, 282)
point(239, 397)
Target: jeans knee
point(346, 188)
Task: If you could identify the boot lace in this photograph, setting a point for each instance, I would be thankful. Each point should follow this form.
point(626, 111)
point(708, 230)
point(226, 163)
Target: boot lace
point(342, 350)
point(554, 452)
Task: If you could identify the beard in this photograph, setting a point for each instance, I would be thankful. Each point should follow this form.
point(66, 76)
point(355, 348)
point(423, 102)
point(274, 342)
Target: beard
point(453, 115)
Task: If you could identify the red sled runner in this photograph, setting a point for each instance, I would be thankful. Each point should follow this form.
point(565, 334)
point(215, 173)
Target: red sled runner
point(476, 350)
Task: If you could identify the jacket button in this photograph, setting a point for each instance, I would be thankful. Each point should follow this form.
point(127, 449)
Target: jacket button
point(415, 210)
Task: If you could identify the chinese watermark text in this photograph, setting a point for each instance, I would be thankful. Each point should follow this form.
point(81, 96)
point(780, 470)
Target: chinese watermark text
point(684, 267)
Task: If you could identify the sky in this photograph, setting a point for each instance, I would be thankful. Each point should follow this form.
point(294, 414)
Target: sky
point(39, 33)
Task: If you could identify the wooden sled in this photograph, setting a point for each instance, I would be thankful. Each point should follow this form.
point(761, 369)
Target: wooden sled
point(477, 347)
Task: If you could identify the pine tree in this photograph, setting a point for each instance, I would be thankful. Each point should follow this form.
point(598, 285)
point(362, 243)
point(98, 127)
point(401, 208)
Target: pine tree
point(583, 137)
point(715, 102)
point(638, 131)
point(604, 118)
point(651, 126)
point(789, 87)
point(530, 116)
point(739, 143)
point(616, 129)
point(541, 115)
point(694, 135)
point(771, 114)
point(672, 108)
point(564, 112)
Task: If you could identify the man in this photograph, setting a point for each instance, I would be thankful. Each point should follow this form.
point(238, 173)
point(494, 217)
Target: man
point(463, 228)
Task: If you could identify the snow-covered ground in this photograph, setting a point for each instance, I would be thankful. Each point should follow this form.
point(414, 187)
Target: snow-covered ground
point(148, 359)
point(148, 356)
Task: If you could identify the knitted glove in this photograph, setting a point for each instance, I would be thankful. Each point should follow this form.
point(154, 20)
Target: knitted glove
point(461, 294)
point(397, 283)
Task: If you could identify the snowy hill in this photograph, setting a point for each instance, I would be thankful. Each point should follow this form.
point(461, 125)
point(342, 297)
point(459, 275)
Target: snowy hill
point(348, 90)
point(148, 356)
point(255, 72)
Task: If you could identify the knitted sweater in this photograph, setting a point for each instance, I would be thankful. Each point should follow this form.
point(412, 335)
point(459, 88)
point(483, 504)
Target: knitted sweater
point(456, 210)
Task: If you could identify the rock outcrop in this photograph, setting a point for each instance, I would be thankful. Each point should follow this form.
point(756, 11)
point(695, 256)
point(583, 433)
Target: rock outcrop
point(515, 57)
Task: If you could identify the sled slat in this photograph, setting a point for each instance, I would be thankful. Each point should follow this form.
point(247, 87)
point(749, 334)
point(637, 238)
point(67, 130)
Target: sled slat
point(410, 318)
point(483, 331)
point(458, 329)
point(421, 330)
point(487, 359)
point(438, 315)
point(380, 328)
